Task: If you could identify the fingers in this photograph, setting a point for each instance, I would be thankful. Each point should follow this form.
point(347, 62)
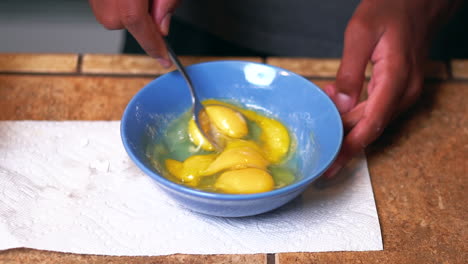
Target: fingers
point(106, 13)
point(135, 16)
point(374, 114)
point(413, 92)
point(345, 155)
point(359, 43)
point(161, 13)
point(362, 135)
point(351, 118)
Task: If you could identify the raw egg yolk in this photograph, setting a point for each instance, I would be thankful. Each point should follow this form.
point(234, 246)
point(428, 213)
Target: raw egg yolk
point(228, 121)
point(245, 181)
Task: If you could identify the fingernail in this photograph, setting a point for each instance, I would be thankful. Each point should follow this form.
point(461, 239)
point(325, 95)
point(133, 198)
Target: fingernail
point(164, 62)
point(165, 23)
point(344, 102)
point(329, 90)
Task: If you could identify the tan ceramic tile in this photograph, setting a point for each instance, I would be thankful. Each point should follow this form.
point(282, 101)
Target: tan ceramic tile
point(459, 69)
point(44, 97)
point(140, 64)
point(20, 256)
point(418, 169)
point(310, 67)
point(38, 63)
point(383, 257)
point(307, 66)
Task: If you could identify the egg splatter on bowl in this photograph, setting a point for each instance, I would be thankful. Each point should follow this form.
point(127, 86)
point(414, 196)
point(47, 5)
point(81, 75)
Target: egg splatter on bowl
point(258, 92)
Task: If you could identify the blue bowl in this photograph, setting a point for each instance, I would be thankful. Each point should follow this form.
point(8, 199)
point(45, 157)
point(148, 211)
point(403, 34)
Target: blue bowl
point(310, 115)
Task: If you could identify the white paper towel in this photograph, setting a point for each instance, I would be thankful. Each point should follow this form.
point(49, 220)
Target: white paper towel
point(70, 186)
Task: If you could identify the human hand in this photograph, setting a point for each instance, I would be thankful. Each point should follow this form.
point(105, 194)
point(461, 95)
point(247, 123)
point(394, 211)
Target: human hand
point(147, 20)
point(394, 35)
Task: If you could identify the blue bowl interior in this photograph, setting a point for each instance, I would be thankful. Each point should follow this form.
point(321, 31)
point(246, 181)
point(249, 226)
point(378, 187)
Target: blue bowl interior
point(296, 102)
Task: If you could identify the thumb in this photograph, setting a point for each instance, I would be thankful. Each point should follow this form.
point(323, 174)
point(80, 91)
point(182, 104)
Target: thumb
point(161, 12)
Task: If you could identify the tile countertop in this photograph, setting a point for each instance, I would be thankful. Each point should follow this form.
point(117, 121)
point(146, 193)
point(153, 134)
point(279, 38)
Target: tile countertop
point(418, 166)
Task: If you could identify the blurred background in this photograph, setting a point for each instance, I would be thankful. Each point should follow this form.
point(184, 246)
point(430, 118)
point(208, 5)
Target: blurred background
point(54, 26)
point(69, 26)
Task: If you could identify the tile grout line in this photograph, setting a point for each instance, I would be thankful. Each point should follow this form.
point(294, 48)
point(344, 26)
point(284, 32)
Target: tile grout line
point(448, 64)
point(154, 75)
point(271, 258)
point(79, 63)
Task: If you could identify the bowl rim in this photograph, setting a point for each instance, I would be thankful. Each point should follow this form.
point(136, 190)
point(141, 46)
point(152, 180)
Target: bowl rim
point(166, 183)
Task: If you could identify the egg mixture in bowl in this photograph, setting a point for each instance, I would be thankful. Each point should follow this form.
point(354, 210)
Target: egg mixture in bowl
point(279, 132)
point(254, 152)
